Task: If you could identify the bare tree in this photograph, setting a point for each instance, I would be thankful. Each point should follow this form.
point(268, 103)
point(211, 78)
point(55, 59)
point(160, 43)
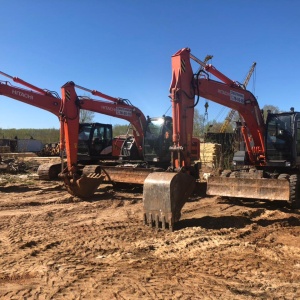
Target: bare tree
point(198, 125)
point(271, 108)
point(86, 116)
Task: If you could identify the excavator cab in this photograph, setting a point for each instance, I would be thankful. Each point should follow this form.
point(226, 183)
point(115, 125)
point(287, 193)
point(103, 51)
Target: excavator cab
point(157, 140)
point(282, 139)
point(94, 141)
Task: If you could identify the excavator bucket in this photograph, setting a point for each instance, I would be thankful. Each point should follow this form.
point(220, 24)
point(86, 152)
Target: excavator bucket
point(85, 186)
point(253, 188)
point(164, 195)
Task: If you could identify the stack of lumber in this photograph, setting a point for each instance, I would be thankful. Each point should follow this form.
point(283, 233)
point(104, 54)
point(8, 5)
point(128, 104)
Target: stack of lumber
point(210, 154)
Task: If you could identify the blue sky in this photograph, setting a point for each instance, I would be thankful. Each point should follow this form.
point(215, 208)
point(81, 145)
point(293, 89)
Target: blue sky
point(123, 48)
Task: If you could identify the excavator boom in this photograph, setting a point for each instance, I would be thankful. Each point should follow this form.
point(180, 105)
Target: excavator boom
point(120, 109)
point(232, 111)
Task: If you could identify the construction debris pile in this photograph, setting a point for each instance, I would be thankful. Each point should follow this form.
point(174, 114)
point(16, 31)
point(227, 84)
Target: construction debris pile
point(12, 165)
point(51, 149)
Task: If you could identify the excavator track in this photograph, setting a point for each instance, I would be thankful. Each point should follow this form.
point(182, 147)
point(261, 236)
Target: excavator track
point(295, 191)
point(49, 171)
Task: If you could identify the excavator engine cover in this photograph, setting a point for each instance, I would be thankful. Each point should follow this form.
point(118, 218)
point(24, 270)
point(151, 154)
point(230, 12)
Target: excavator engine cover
point(164, 195)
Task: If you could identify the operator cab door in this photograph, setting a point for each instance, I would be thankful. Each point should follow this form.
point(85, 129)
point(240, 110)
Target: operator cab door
point(279, 139)
point(101, 140)
point(95, 140)
point(158, 139)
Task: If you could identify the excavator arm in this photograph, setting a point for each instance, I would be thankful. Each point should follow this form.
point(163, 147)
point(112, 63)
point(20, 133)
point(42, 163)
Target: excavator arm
point(232, 111)
point(246, 104)
point(34, 96)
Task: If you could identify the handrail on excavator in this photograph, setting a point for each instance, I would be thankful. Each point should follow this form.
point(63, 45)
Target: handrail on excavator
point(31, 86)
point(211, 69)
point(27, 84)
point(99, 94)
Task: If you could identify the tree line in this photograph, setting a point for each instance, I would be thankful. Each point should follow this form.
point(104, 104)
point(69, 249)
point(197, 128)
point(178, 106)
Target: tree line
point(51, 135)
point(46, 136)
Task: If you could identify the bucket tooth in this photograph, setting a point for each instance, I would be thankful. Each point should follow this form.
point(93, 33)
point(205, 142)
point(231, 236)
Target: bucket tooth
point(145, 219)
point(157, 221)
point(164, 195)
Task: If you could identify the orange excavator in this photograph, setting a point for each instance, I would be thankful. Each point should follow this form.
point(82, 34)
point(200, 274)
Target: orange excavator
point(151, 136)
point(106, 148)
point(268, 168)
point(81, 176)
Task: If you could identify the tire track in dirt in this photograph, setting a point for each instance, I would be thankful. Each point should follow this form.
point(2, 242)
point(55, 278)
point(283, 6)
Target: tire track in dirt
point(66, 248)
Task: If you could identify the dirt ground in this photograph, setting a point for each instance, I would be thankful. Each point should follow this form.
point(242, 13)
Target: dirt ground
point(55, 246)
